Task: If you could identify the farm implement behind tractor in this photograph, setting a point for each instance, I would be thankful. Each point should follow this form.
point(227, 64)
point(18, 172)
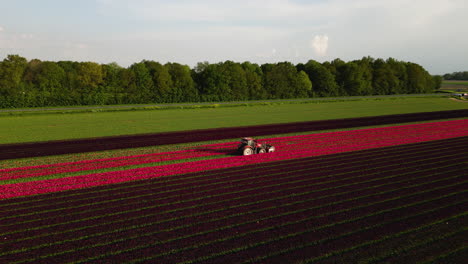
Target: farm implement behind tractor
point(249, 146)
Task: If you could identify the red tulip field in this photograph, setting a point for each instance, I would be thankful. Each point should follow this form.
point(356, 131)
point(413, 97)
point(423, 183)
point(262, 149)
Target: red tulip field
point(394, 194)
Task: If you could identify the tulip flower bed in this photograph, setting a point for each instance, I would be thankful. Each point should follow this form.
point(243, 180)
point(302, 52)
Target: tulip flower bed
point(39, 149)
point(288, 148)
point(397, 204)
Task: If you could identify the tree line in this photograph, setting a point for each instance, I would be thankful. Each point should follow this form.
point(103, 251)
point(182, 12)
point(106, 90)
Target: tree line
point(456, 76)
point(37, 83)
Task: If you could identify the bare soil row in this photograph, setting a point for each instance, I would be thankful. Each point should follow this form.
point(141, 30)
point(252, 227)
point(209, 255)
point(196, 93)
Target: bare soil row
point(282, 211)
point(37, 149)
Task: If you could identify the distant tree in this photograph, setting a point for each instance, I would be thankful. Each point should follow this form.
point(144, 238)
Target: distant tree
point(322, 79)
point(456, 76)
point(50, 77)
point(366, 69)
point(419, 80)
point(352, 79)
point(184, 86)
point(89, 76)
point(128, 81)
point(383, 80)
point(437, 81)
point(162, 91)
point(70, 68)
point(209, 83)
point(282, 81)
point(142, 90)
point(303, 87)
point(224, 81)
point(337, 67)
point(253, 76)
point(279, 80)
point(234, 79)
point(12, 69)
point(112, 83)
point(398, 70)
point(31, 71)
point(38, 83)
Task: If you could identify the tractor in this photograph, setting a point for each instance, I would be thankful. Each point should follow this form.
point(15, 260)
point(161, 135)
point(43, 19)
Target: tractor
point(249, 146)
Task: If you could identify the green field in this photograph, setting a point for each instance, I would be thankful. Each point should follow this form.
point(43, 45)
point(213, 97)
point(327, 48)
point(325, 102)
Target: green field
point(455, 82)
point(454, 86)
point(30, 128)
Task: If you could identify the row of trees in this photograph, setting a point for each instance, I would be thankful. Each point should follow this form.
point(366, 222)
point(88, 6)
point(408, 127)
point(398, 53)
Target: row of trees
point(33, 83)
point(456, 76)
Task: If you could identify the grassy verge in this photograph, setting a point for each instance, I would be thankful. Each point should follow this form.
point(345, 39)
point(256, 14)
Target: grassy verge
point(31, 128)
point(202, 105)
point(36, 161)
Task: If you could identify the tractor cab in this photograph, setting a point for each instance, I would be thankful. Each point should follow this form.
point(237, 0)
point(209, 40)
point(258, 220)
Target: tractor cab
point(249, 146)
point(248, 141)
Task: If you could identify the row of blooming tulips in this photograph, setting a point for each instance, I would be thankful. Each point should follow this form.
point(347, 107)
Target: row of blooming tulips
point(288, 148)
point(300, 214)
point(373, 136)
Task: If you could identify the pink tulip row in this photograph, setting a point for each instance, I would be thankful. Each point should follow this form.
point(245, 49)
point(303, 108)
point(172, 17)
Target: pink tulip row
point(303, 146)
point(69, 167)
point(284, 143)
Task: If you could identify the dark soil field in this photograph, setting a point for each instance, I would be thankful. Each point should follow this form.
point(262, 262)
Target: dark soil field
point(398, 204)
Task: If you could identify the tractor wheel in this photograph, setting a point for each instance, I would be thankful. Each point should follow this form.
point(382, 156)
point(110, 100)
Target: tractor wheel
point(247, 151)
point(262, 150)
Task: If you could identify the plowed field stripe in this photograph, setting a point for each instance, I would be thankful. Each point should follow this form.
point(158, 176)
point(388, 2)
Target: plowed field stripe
point(240, 191)
point(236, 214)
point(344, 210)
point(203, 187)
point(167, 179)
point(204, 244)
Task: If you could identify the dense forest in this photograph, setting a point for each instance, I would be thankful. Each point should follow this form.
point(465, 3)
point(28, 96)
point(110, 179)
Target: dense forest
point(35, 83)
point(456, 76)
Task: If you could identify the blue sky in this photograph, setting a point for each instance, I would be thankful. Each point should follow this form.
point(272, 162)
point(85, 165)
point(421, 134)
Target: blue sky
point(432, 33)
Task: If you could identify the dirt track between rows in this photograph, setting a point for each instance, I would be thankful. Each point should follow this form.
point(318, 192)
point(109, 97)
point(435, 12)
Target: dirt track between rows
point(37, 149)
point(311, 210)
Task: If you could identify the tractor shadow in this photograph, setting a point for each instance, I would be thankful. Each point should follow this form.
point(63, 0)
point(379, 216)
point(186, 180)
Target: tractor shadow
point(228, 152)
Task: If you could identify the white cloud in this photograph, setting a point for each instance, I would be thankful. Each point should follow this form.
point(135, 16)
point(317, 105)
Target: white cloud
point(188, 31)
point(320, 44)
point(26, 36)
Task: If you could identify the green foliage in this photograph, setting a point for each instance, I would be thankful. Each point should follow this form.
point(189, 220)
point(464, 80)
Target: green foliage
point(11, 73)
point(382, 78)
point(183, 85)
point(283, 81)
point(419, 80)
point(456, 76)
point(437, 81)
point(323, 80)
point(44, 83)
point(253, 76)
